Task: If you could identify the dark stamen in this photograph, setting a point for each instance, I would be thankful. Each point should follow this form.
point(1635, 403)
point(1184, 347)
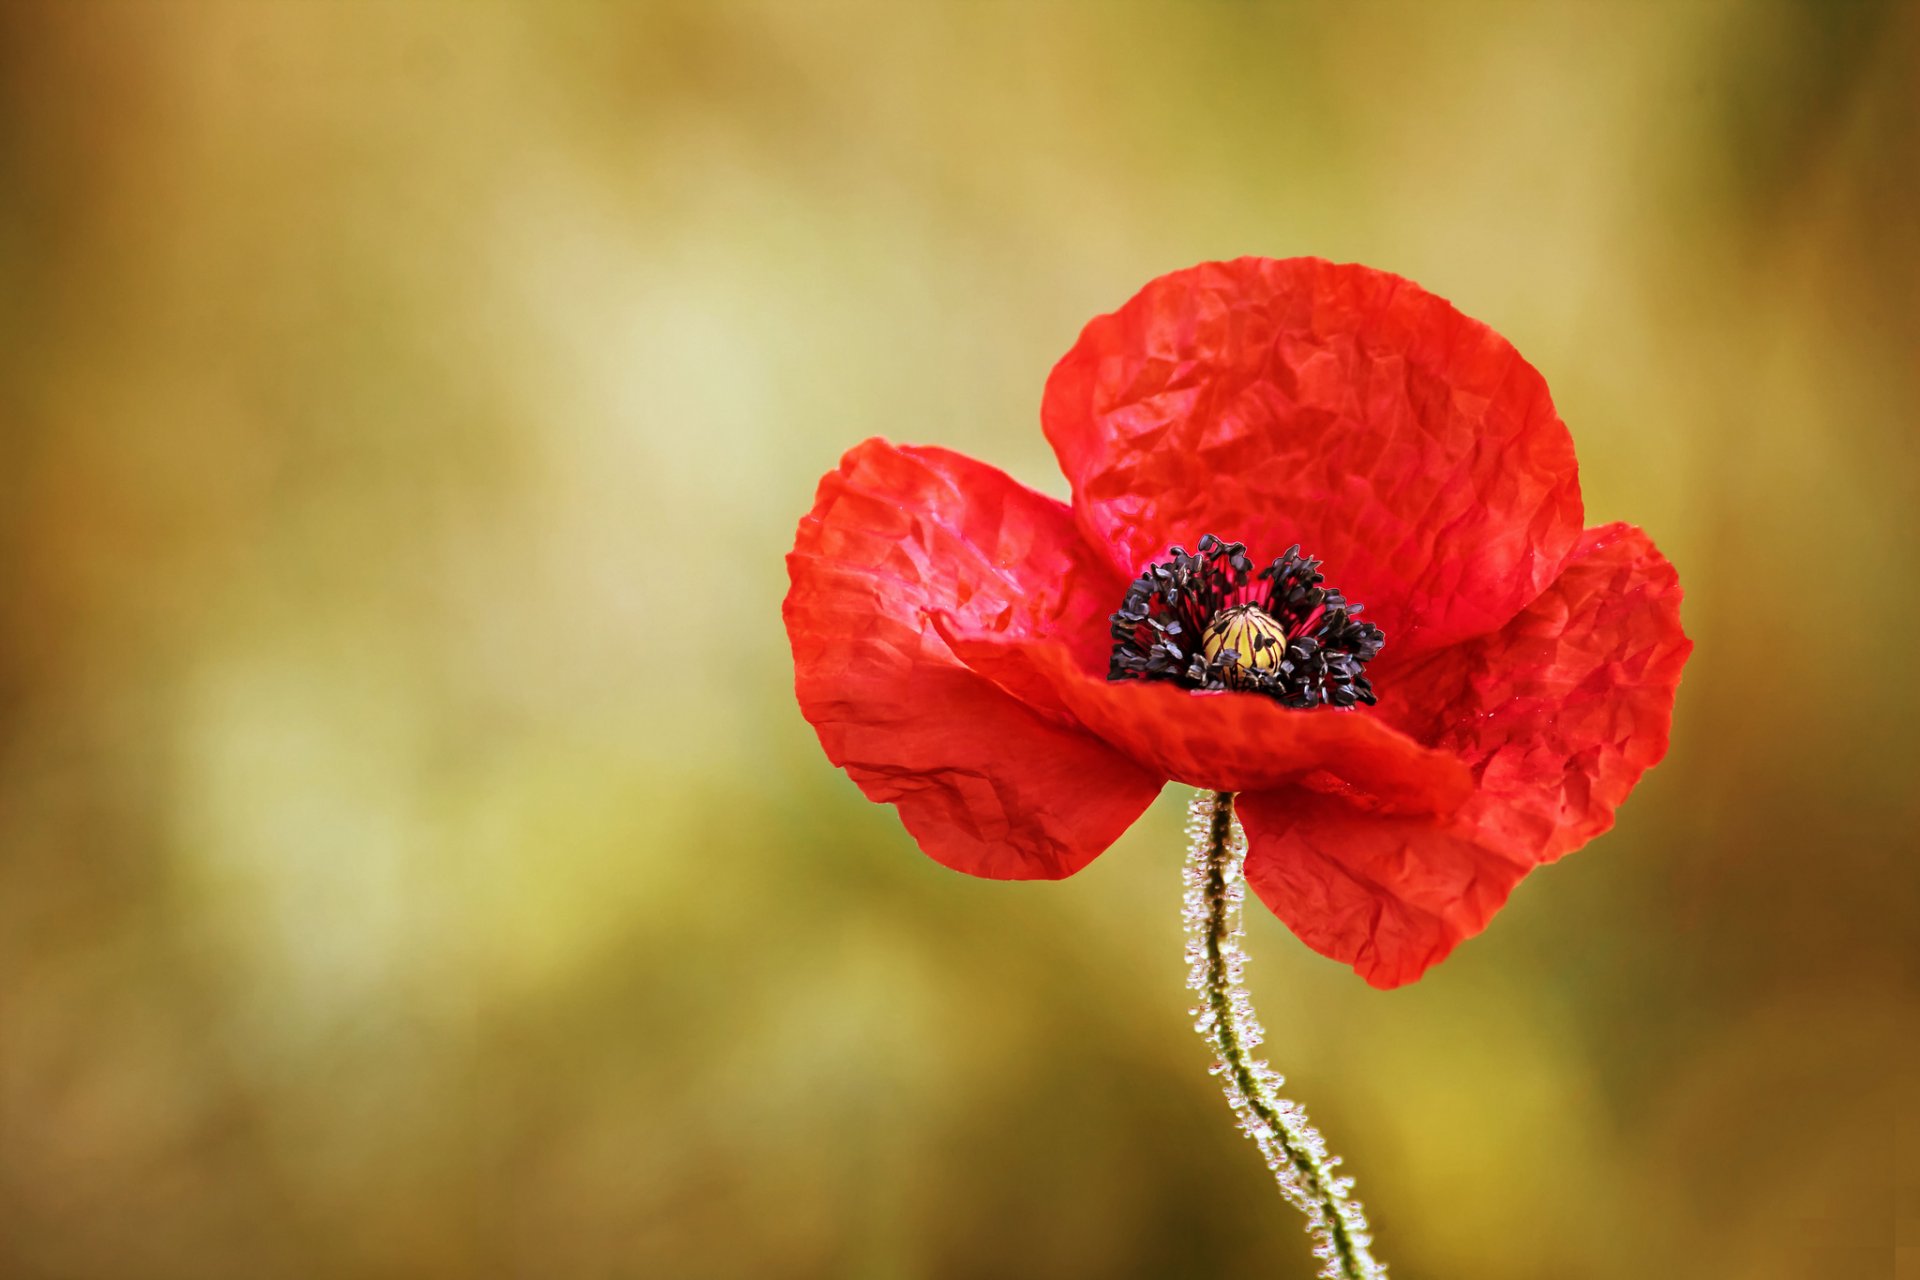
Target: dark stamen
point(1204, 621)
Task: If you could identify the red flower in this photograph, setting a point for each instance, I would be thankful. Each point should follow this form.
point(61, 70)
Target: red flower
point(952, 643)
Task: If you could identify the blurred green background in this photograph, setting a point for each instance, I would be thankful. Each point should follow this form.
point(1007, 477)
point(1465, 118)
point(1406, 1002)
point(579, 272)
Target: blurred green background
point(412, 863)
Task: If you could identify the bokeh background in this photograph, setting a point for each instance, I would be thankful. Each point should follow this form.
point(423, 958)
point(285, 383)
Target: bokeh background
point(412, 863)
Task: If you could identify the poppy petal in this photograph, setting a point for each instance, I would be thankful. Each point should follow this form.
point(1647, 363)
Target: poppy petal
point(1222, 741)
point(1271, 402)
point(1558, 715)
point(985, 784)
point(1563, 710)
point(1389, 895)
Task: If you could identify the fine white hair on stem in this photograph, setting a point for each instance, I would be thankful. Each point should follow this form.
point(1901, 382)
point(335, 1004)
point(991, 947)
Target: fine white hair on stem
point(1216, 887)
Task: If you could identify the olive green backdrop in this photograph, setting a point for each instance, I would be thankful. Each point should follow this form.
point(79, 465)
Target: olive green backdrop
point(412, 863)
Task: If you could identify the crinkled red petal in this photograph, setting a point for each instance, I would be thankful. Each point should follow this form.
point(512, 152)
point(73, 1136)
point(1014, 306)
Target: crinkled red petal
point(1221, 741)
point(1558, 715)
point(1270, 402)
point(1389, 895)
point(985, 784)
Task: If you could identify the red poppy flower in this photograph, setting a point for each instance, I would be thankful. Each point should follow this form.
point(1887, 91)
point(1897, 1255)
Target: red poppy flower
point(1019, 676)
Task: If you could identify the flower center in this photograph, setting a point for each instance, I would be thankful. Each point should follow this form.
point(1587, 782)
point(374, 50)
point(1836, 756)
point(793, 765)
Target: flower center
point(1207, 621)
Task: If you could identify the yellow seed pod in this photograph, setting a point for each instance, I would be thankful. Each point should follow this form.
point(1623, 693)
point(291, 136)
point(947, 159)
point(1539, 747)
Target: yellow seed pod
point(1258, 642)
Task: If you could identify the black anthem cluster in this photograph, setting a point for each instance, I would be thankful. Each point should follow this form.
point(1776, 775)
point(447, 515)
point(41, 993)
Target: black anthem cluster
point(1207, 621)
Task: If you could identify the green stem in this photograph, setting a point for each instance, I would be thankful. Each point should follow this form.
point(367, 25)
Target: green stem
point(1295, 1152)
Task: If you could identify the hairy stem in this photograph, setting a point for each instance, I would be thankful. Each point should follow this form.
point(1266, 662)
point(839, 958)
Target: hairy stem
point(1215, 889)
